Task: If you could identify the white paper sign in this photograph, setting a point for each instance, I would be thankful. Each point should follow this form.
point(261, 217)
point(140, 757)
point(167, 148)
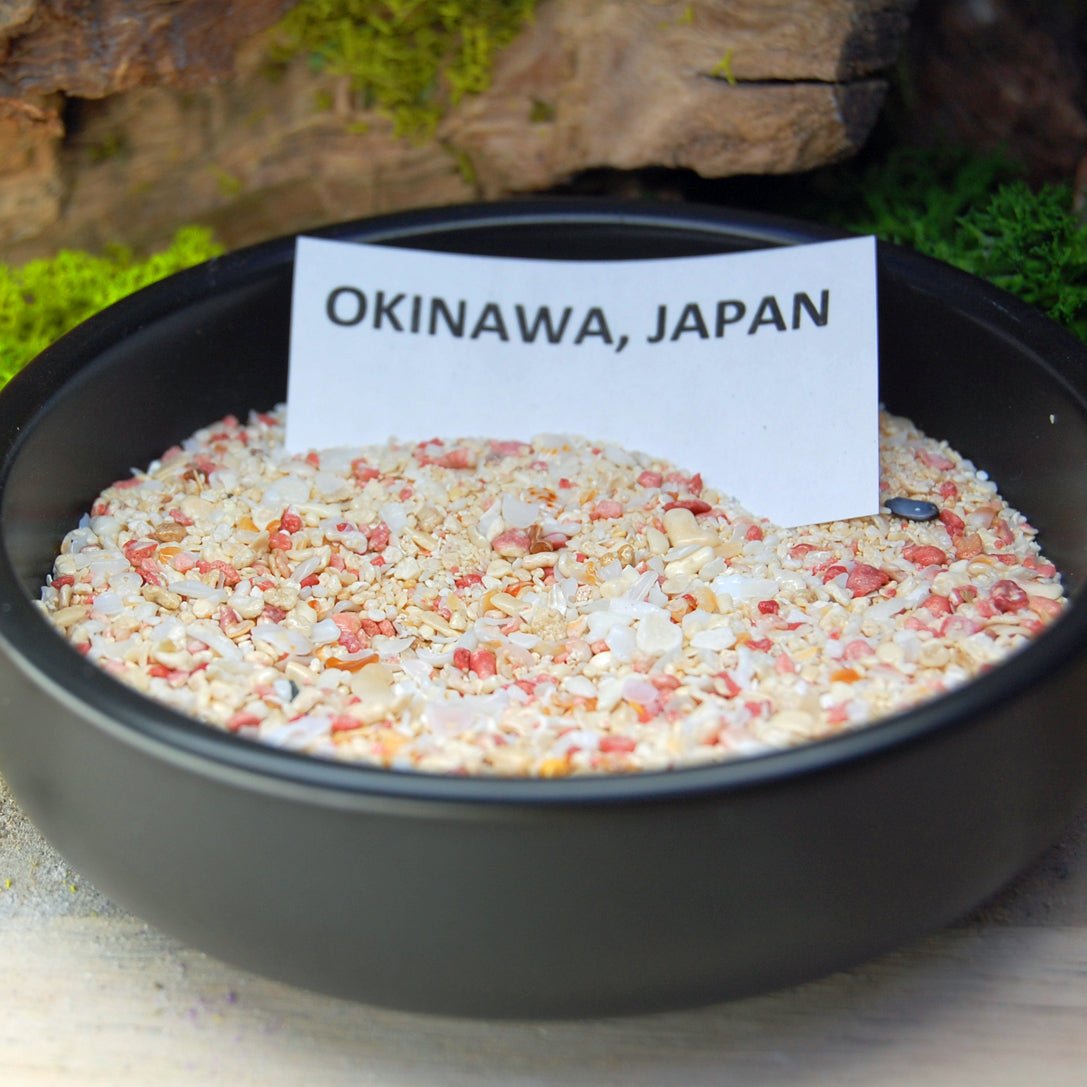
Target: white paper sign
point(757, 369)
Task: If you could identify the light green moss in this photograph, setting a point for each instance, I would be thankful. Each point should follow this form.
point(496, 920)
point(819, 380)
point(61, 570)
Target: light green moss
point(723, 69)
point(408, 58)
point(43, 299)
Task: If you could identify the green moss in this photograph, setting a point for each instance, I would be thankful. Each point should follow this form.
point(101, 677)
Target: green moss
point(465, 166)
point(228, 184)
point(113, 145)
point(912, 196)
point(43, 299)
point(723, 69)
point(1030, 243)
point(684, 18)
point(976, 213)
point(408, 58)
point(541, 112)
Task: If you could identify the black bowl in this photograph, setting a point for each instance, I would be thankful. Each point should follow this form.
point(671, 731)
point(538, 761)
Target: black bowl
point(538, 897)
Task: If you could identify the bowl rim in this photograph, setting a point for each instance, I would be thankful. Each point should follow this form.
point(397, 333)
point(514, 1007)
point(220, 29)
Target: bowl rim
point(45, 658)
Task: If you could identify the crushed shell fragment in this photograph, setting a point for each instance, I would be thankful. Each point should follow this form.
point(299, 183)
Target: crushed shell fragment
point(546, 608)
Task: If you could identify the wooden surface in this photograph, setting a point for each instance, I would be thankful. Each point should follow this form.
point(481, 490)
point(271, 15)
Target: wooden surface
point(90, 995)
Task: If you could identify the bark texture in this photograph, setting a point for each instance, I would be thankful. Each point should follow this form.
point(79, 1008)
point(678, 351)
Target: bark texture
point(95, 49)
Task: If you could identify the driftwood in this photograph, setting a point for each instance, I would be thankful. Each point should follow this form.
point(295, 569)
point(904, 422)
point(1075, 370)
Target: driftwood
point(721, 87)
point(92, 50)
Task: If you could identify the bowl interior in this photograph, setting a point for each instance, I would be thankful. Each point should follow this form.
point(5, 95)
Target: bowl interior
point(1000, 382)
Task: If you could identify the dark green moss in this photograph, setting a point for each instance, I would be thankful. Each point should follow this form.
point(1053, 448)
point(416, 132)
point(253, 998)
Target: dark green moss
point(111, 146)
point(541, 112)
point(976, 213)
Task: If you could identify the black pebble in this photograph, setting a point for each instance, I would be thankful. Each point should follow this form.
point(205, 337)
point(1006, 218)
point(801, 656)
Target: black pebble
point(913, 509)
